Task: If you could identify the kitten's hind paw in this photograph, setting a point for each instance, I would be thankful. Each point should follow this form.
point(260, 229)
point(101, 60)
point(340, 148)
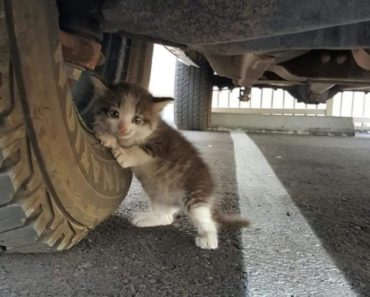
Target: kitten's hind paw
point(150, 219)
point(207, 241)
point(107, 140)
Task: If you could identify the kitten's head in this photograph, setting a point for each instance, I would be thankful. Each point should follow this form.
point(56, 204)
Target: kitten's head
point(127, 111)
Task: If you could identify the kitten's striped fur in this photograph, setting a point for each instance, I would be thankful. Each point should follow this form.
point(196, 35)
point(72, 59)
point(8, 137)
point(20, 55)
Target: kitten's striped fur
point(169, 168)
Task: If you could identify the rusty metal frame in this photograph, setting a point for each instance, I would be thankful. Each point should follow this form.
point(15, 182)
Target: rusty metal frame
point(81, 51)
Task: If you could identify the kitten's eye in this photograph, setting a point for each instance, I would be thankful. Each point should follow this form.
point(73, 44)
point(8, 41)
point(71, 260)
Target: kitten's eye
point(137, 119)
point(113, 113)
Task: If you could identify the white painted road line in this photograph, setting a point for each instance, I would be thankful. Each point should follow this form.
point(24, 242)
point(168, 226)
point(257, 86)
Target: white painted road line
point(282, 255)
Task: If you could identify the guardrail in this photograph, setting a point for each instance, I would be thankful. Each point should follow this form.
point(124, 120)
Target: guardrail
point(279, 102)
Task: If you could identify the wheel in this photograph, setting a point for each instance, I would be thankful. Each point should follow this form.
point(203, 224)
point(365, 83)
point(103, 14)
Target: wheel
point(193, 95)
point(56, 181)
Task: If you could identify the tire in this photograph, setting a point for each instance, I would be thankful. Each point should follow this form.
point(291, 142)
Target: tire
point(56, 181)
point(193, 95)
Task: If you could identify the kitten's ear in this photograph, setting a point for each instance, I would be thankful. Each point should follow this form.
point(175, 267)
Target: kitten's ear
point(159, 103)
point(100, 88)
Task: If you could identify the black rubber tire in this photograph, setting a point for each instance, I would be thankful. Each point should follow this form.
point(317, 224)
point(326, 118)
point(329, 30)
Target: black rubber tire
point(193, 95)
point(56, 181)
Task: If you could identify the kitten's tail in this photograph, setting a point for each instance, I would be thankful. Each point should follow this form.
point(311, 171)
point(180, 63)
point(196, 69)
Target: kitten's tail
point(226, 221)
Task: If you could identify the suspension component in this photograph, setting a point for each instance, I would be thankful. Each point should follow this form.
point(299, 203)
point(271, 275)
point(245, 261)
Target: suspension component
point(80, 53)
point(245, 94)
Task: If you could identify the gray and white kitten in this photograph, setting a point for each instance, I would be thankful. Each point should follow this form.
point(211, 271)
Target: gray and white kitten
point(127, 120)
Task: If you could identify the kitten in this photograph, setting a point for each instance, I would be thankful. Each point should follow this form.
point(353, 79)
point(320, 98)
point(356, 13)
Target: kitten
point(172, 173)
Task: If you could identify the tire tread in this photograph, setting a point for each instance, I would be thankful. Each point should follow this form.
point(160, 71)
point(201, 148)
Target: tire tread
point(193, 92)
point(29, 220)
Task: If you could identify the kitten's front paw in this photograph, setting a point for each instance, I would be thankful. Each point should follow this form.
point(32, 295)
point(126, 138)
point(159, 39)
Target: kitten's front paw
point(207, 241)
point(107, 140)
point(120, 156)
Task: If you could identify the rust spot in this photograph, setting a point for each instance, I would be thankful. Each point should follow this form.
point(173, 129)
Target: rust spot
point(80, 51)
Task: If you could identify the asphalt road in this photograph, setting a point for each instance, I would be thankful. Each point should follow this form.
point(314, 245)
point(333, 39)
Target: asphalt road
point(309, 202)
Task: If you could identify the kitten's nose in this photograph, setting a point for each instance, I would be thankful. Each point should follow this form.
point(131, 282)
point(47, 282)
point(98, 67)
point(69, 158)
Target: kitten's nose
point(122, 130)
